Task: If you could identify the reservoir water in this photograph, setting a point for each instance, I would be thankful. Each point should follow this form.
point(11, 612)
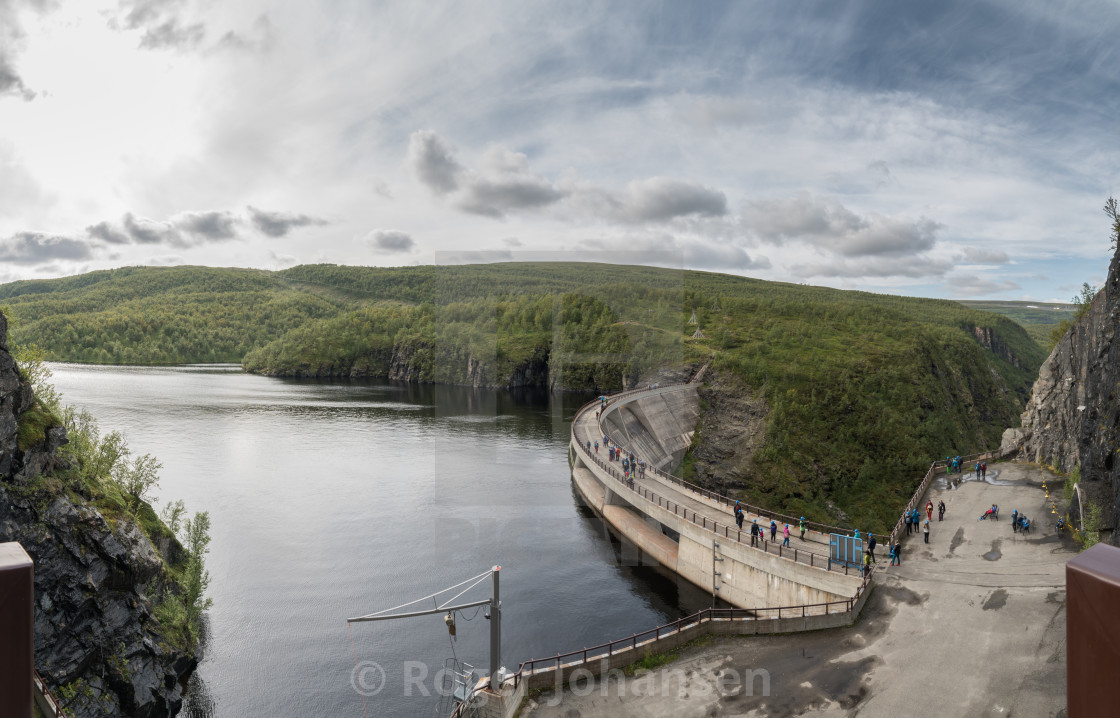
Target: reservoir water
point(332, 500)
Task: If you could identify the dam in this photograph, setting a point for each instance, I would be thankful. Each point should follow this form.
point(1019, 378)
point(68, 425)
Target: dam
point(690, 530)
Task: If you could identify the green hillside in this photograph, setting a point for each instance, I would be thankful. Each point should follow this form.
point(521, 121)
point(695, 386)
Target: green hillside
point(862, 390)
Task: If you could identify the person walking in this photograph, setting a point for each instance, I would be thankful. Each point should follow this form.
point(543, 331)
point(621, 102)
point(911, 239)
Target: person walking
point(596, 447)
point(896, 554)
point(940, 510)
point(866, 564)
point(906, 520)
point(925, 529)
point(1015, 521)
point(773, 530)
point(871, 546)
point(785, 540)
point(984, 469)
point(755, 532)
point(739, 517)
point(929, 510)
point(803, 528)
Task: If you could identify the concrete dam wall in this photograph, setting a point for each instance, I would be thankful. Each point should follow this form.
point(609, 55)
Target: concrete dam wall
point(689, 533)
point(656, 425)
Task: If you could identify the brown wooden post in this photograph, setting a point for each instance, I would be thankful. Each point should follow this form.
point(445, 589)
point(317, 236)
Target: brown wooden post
point(17, 628)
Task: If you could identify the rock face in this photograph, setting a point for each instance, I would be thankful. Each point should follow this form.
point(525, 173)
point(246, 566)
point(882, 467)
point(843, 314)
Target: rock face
point(1073, 418)
point(94, 630)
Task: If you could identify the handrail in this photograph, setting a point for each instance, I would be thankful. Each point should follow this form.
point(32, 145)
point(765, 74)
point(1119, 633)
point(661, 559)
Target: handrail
point(703, 616)
point(52, 707)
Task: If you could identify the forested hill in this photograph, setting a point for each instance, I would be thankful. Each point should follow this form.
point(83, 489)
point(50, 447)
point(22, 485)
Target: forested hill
point(859, 391)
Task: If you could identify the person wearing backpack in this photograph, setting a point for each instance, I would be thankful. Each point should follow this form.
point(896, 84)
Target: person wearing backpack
point(755, 532)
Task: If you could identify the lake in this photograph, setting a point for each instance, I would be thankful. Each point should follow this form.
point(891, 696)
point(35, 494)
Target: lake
point(330, 500)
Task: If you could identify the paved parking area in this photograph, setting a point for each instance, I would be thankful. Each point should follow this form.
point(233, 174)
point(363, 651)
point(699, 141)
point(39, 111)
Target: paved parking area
point(972, 624)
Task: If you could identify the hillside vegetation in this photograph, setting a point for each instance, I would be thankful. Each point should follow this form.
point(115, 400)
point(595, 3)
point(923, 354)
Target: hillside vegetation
point(861, 390)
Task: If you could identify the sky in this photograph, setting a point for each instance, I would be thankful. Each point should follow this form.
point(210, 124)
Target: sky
point(946, 149)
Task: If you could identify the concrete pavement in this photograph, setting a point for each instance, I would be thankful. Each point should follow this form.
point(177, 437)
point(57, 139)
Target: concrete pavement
point(972, 624)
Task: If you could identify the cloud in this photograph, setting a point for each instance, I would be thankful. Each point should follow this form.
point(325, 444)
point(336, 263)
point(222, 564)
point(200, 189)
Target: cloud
point(146, 231)
point(172, 34)
point(431, 160)
point(505, 184)
point(985, 256)
point(658, 199)
point(12, 43)
point(35, 248)
point(661, 249)
point(278, 224)
point(108, 233)
point(970, 285)
point(207, 225)
point(390, 241)
point(184, 229)
point(830, 226)
point(162, 23)
point(919, 266)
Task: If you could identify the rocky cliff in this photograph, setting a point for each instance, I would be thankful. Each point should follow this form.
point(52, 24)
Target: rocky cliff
point(97, 644)
point(1073, 417)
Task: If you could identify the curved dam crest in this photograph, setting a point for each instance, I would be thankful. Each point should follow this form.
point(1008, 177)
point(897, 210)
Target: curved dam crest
point(689, 533)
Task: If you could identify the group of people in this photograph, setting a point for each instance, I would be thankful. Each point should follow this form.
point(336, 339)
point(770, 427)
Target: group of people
point(913, 519)
point(757, 532)
point(632, 466)
point(954, 465)
point(1020, 522)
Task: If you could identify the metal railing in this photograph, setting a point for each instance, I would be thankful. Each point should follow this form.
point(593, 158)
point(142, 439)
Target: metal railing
point(707, 615)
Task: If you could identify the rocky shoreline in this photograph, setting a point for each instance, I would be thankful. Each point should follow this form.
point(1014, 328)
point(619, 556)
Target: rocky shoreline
point(97, 644)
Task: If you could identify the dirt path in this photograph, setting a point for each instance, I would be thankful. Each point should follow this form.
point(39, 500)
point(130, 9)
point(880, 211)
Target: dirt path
point(972, 624)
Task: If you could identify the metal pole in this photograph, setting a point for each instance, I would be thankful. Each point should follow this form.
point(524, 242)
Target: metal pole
point(495, 631)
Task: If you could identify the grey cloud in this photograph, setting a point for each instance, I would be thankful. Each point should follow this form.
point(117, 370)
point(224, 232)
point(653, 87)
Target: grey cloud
point(985, 256)
point(659, 199)
point(207, 225)
point(497, 196)
point(108, 233)
point(504, 183)
point(173, 34)
point(35, 248)
point(511, 242)
point(146, 231)
point(11, 44)
point(830, 226)
point(390, 241)
point(163, 23)
point(278, 224)
point(432, 161)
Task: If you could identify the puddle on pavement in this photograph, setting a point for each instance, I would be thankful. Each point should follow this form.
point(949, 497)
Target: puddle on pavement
point(958, 539)
point(996, 600)
point(995, 553)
